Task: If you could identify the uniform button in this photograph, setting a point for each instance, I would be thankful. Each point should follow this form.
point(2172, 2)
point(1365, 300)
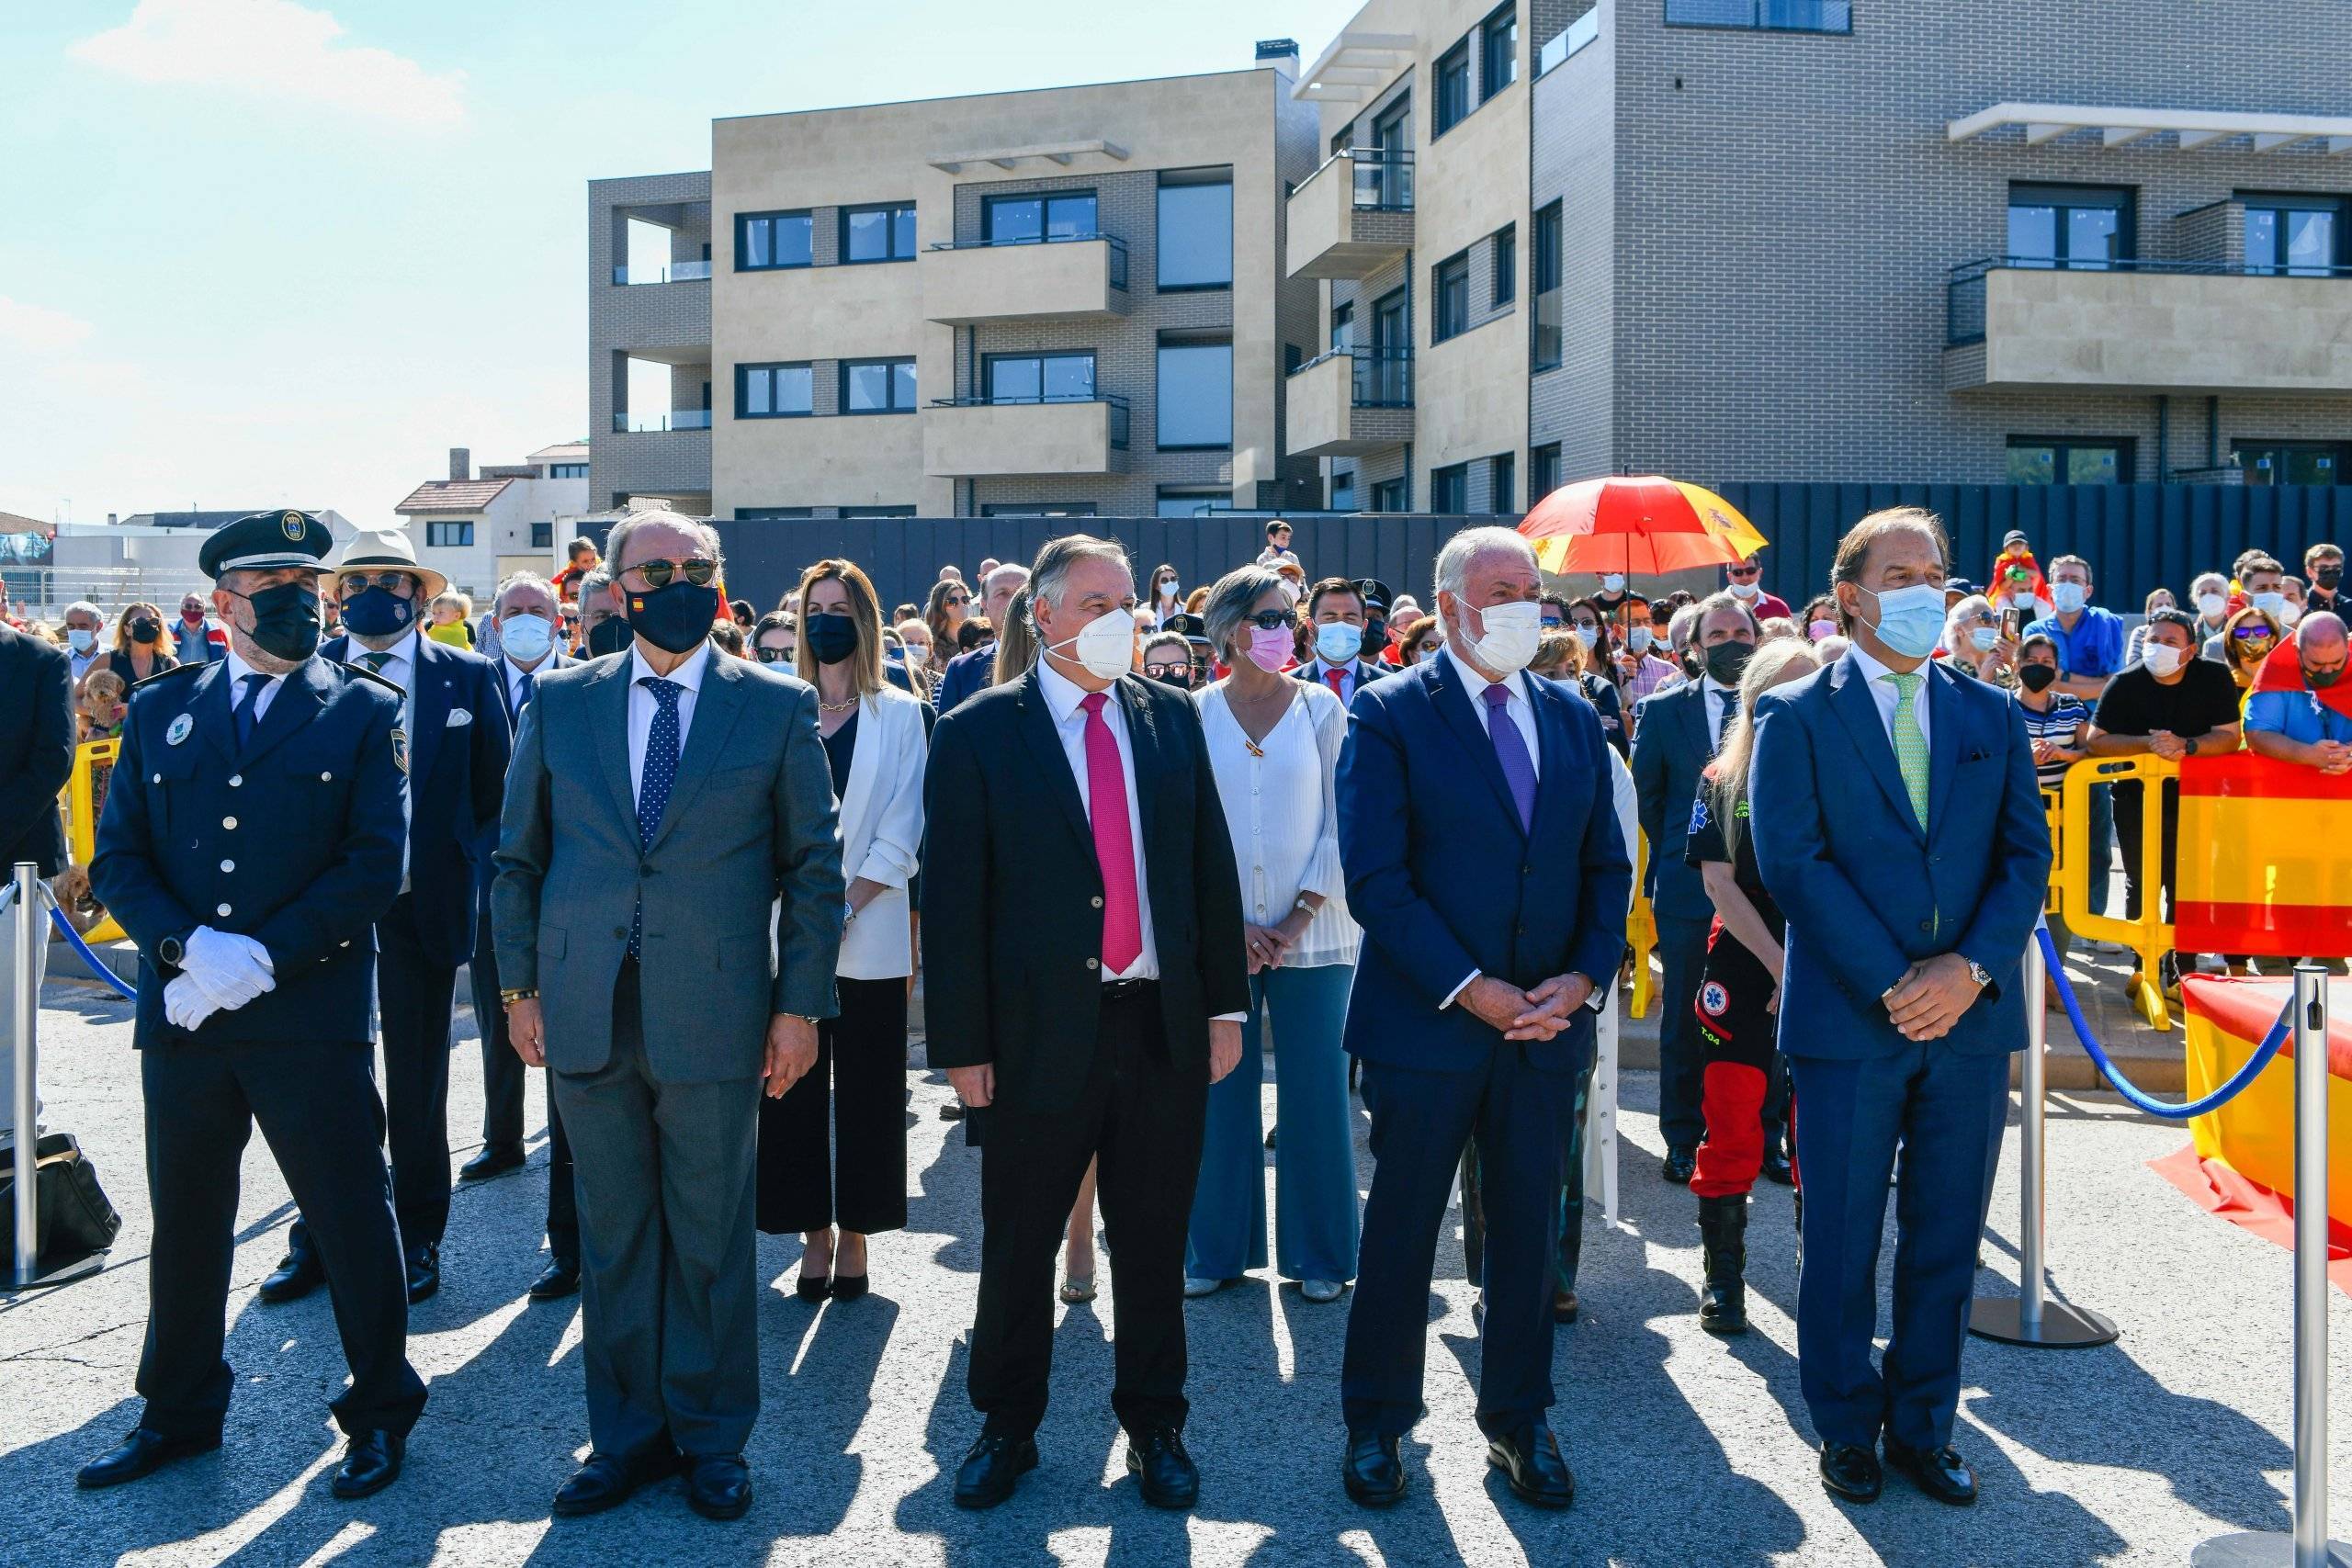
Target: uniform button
point(158, 779)
point(1927, 925)
point(228, 865)
point(223, 909)
point(326, 778)
point(237, 781)
point(1098, 901)
point(229, 822)
point(1094, 964)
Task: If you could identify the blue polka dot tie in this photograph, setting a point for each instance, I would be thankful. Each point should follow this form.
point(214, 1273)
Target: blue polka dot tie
point(653, 785)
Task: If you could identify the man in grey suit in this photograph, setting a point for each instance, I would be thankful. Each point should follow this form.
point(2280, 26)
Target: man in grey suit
point(659, 804)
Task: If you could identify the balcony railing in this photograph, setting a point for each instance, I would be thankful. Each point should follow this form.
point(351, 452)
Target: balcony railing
point(624, 422)
point(1380, 178)
point(1764, 16)
point(674, 272)
point(1585, 29)
point(1118, 249)
point(1382, 378)
point(1964, 292)
point(1117, 406)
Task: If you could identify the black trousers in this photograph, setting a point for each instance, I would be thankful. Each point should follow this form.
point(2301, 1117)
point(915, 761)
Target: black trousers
point(502, 1083)
point(1142, 1118)
point(2131, 819)
point(854, 1099)
point(317, 1107)
point(1681, 1060)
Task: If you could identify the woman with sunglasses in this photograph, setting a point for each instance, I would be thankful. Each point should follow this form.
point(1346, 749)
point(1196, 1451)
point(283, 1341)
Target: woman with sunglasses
point(1167, 594)
point(2247, 638)
point(942, 613)
point(1974, 643)
point(877, 744)
point(776, 640)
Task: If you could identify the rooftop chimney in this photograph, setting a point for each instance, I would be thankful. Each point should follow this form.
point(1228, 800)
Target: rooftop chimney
point(1282, 53)
point(461, 463)
point(110, 523)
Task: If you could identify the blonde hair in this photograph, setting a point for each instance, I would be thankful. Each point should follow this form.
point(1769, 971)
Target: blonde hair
point(1773, 663)
point(864, 615)
point(1016, 640)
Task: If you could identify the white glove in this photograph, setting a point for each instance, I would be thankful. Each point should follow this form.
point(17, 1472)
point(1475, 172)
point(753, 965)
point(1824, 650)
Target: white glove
point(186, 1002)
point(232, 970)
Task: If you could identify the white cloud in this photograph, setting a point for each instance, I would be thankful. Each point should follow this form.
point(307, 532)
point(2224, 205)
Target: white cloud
point(38, 330)
point(273, 49)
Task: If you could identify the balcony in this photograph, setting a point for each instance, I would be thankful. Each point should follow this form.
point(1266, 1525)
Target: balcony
point(1353, 216)
point(672, 272)
point(1055, 279)
point(981, 438)
point(2015, 323)
point(626, 422)
point(1350, 402)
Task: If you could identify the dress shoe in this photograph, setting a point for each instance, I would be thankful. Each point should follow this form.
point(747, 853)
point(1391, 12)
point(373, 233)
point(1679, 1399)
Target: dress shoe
point(1530, 1459)
point(297, 1274)
point(719, 1486)
point(1321, 1290)
point(1564, 1305)
point(1850, 1473)
point(371, 1461)
point(1680, 1166)
point(989, 1471)
point(424, 1271)
point(1164, 1473)
point(951, 1112)
point(1777, 1167)
point(813, 1287)
point(849, 1287)
point(606, 1480)
point(1373, 1474)
point(1941, 1473)
point(559, 1279)
point(1722, 1244)
point(1197, 1285)
point(495, 1159)
point(143, 1452)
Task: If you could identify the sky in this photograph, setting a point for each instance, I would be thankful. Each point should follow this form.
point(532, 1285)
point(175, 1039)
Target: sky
point(261, 253)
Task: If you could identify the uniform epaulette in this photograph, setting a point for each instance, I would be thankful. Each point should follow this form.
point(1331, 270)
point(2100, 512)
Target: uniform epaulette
point(176, 669)
point(366, 674)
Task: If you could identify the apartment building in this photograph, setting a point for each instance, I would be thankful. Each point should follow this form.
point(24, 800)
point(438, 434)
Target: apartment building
point(474, 529)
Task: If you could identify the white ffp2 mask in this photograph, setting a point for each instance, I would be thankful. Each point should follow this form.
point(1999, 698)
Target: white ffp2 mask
point(1105, 645)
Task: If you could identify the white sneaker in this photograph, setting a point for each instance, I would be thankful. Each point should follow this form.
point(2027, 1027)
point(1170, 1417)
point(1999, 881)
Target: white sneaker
point(1196, 1286)
point(1320, 1290)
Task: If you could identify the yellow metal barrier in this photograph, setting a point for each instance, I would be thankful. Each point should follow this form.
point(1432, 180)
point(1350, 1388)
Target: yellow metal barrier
point(1641, 930)
point(82, 800)
point(2151, 936)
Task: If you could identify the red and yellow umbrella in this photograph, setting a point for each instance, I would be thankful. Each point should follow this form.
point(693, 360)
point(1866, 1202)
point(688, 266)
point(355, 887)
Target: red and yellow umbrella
point(1642, 523)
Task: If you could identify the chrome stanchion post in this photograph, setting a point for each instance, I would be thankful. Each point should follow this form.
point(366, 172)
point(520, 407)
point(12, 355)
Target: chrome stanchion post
point(2029, 1318)
point(24, 892)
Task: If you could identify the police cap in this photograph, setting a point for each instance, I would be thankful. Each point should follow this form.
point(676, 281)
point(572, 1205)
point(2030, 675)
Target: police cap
point(264, 541)
point(1374, 594)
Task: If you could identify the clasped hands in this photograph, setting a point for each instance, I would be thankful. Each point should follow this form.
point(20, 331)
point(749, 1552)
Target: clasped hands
point(1537, 1014)
point(219, 972)
point(789, 1052)
point(1932, 994)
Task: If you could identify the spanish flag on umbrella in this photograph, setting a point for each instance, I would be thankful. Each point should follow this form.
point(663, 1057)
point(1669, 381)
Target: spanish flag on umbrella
point(1643, 524)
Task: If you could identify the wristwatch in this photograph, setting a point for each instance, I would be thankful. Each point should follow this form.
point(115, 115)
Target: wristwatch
point(173, 951)
point(521, 993)
point(1978, 973)
point(2191, 744)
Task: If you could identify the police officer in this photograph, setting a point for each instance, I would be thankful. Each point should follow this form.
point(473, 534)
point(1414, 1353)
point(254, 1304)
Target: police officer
point(252, 834)
point(456, 721)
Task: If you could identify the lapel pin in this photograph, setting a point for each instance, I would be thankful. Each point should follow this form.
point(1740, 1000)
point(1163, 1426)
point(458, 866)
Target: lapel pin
point(181, 728)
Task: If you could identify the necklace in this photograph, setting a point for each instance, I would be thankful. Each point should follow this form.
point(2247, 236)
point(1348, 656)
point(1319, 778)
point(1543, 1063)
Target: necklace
point(824, 706)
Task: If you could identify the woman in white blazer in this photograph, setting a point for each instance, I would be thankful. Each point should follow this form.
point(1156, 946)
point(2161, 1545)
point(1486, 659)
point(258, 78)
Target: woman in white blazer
point(875, 737)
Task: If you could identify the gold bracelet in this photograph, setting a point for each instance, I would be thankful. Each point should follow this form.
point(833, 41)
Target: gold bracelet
point(526, 993)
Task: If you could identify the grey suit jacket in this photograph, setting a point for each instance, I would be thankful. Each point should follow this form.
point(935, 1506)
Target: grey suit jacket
point(750, 820)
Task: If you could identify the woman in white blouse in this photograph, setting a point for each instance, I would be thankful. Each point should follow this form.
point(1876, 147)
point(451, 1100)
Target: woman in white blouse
point(1273, 742)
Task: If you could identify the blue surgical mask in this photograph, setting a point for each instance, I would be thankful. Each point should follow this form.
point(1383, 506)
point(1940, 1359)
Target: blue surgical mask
point(2273, 603)
point(1588, 636)
point(82, 638)
point(1984, 638)
point(2069, 596)
point(526, 638)
point(1338, 641)
point(1910, 620)
point(1637, 639)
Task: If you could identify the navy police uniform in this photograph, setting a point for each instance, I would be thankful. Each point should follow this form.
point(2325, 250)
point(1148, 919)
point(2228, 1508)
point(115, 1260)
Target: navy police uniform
point(295, 840)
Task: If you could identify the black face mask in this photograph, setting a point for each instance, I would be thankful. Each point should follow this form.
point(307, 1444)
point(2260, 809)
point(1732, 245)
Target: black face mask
point(378, 611)
point(830, 637)
point(286, 620)
point(1726, 660)
point(2327, 577)
point(675, 617)
point(1181, 681)
point(2321, 680)
point(610, 635)
point(2037, 677)
point(1375, 638)
point(144, 630)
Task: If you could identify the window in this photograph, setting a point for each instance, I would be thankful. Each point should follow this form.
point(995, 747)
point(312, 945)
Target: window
point(1768, 16)
point(1392, 495)
point(2070, 460)
point(774, 391)
point(543, 536)
point(1450, 490)
point(1343, 326)
point(1506, 284)
point(2070, 226)
point(766, 241)
point(567, 470)
point(1174, 501)
point(2300, 235)
point(1027, 220)
point(878, 386)
point(882, 233)
point(1196, 394)
point(2293, 462)
point(1542, 472)
point(1503, 478)
point(1450, 296)
point(1041, 379)
point(1195, 239)
point(770, 514)
point(439, 532)
point(1037, 509)
point(1453, 104)
point(1543, 351)
point(1497, 53)
point(853, 512)
point(1343, 491)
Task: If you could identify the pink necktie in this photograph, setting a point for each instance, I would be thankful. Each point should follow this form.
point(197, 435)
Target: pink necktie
point(1115, 843)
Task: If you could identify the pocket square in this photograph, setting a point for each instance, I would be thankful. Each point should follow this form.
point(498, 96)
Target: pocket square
point(459, 717)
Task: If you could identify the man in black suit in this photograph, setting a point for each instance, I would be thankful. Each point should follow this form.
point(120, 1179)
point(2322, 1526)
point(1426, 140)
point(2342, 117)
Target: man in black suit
point(1336, 614)
point(1675, 735)
point(1087, 983)
point(454, 717)
point(36, 758)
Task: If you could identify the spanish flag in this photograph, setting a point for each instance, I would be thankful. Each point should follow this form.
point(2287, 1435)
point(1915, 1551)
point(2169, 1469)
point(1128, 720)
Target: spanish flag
point(2265, 857)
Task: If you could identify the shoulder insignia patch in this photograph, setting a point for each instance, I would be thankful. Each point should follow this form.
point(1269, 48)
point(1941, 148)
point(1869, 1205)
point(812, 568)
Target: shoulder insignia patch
point(1699, 811)
point(399, 749)
point(181, 726)
point(366, 674)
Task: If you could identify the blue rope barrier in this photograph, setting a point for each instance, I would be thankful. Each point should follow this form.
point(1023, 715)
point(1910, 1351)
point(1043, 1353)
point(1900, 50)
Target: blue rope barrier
point(97, 965)
point(2271, 1043)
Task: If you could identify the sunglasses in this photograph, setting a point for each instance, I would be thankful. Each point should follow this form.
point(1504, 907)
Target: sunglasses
point(1161, 671)
point(392, 582)
point(957, 599)
point(698, 569)
point(773, 655)
point(1743, 573)
point(1270, 620)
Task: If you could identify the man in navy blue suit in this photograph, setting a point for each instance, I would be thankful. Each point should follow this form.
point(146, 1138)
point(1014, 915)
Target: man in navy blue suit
point(455, 718)
point(1898, 826)
point(1470, 796)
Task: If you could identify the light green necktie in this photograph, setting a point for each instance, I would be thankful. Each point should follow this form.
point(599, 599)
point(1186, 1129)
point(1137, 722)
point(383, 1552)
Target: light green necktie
point(1910, 743)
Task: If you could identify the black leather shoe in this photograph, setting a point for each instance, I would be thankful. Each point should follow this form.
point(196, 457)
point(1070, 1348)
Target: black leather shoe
point(1164, 1473)
point(989, 1471)
point(1530, 1459)
point(371, 1461)
point(849, 1287)
point(1850, 1473)
point(297, 1274)
point(495, 1159)
point(813, 1287)
point(1564, 1305)
point(424, 1271)
point(1374, 1473)
point(951, 1112)
point(1776, 1166)
point(143, 1452)
point(560, 1278)
point(606, 1480)
point(1680, 1166)
point(1941, 1473)
point(719, 1486)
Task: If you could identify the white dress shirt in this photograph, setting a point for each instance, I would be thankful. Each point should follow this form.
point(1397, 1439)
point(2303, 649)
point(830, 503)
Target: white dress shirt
point(1063, 698)
point(1716, 695)
point(1522, 714)
point(238, 671)
point(400, 669)
point(1347, 677)
point(642, 705)
point(1283, 810)
point(1882, 692)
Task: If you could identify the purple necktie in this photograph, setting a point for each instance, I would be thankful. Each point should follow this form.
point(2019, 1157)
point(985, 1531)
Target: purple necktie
point(1510, 751)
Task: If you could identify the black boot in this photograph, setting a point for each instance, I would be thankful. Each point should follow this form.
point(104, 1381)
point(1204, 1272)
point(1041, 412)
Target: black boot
point(1722, 1235)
